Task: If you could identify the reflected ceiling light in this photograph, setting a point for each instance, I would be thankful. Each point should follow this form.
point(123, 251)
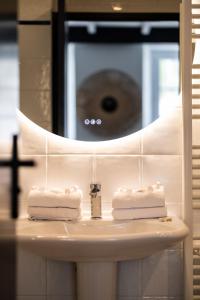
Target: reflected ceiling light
point(116, 5)
point(145, 28)
point(91, 28)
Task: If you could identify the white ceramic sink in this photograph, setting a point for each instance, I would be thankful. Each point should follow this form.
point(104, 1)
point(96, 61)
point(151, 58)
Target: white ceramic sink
point(97, 245)
point(99, 240)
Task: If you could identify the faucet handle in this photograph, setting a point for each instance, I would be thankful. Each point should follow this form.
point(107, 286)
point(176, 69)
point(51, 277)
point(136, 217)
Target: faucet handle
point(95, 188)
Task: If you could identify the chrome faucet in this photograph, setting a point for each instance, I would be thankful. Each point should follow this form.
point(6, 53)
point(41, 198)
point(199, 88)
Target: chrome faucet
point(95, 197)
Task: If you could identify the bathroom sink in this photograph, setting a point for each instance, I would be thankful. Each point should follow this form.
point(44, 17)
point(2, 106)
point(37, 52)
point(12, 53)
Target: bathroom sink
point(99, 240)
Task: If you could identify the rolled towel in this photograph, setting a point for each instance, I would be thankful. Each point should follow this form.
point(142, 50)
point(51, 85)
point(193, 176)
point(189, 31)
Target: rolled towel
point(54, 213)
point(39, 197)
point(139, 213)
point(153, 196)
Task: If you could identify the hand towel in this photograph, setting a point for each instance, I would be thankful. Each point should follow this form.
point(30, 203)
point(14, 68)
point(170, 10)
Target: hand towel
point(144, 198)
point(53, 213)
point(139, 213)
point(70, 198)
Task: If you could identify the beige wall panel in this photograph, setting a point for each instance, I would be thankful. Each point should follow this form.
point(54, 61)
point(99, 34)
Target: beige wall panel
point(127, 5)
point(34, 9)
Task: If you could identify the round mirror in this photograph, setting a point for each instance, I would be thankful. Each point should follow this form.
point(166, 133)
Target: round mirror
point(111, 76)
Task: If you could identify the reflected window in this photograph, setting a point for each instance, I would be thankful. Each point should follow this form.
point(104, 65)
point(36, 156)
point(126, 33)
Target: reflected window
point(168, 83)
point(160, 80)
point(9, 81)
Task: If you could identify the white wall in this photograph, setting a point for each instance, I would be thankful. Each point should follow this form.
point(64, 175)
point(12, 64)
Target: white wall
point(152, 154)
point(131, 161)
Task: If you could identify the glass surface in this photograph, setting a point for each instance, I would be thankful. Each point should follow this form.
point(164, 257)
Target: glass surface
point(115, 87)
point(9, 78)
point(168, 84)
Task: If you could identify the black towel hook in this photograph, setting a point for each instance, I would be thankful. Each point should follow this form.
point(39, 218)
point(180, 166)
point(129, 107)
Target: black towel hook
point(15, 163)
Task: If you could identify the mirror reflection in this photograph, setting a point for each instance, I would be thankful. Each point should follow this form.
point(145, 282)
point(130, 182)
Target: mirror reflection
point(119, 76)
point(9, 75)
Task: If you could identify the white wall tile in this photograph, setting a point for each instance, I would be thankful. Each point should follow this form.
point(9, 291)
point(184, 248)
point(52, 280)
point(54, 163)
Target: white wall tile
point(64, 171)
point(31, 274)
point(35, 74)
point(117, 171)
point(35, 10)
point(129, 278)
point(60, 278)
point(164, 135)
point(127, 145)
point(175, 209)
point(130, 144)
point(32, 138)
point(175, 275)
point(23, 208)
point(167, 170)
point(30, 176)
point(57, 145)
point(155, 275)
point(34, 41)
point(4, 173)
point(163, 275)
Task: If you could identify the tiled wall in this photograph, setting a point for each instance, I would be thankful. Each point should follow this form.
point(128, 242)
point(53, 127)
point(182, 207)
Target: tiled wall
point(140, 159)
point(134, 161)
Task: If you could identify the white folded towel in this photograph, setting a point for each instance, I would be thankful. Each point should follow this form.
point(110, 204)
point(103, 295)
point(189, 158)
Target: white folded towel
point(39, 197)
point(153, 196)
point(139, 213)
point(53, 213)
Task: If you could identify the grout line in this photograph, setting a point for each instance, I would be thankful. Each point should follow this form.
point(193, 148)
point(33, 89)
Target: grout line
point(46, 296)
point(46, 160)
point(141, 277)
point(100, 155)
point(140, 171)
point(142, 144)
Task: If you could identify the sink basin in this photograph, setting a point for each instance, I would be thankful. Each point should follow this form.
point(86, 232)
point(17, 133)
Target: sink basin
point(99, 240)
point(97, 245)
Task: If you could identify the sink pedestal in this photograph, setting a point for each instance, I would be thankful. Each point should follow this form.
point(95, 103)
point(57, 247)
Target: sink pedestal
point(96, 280)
